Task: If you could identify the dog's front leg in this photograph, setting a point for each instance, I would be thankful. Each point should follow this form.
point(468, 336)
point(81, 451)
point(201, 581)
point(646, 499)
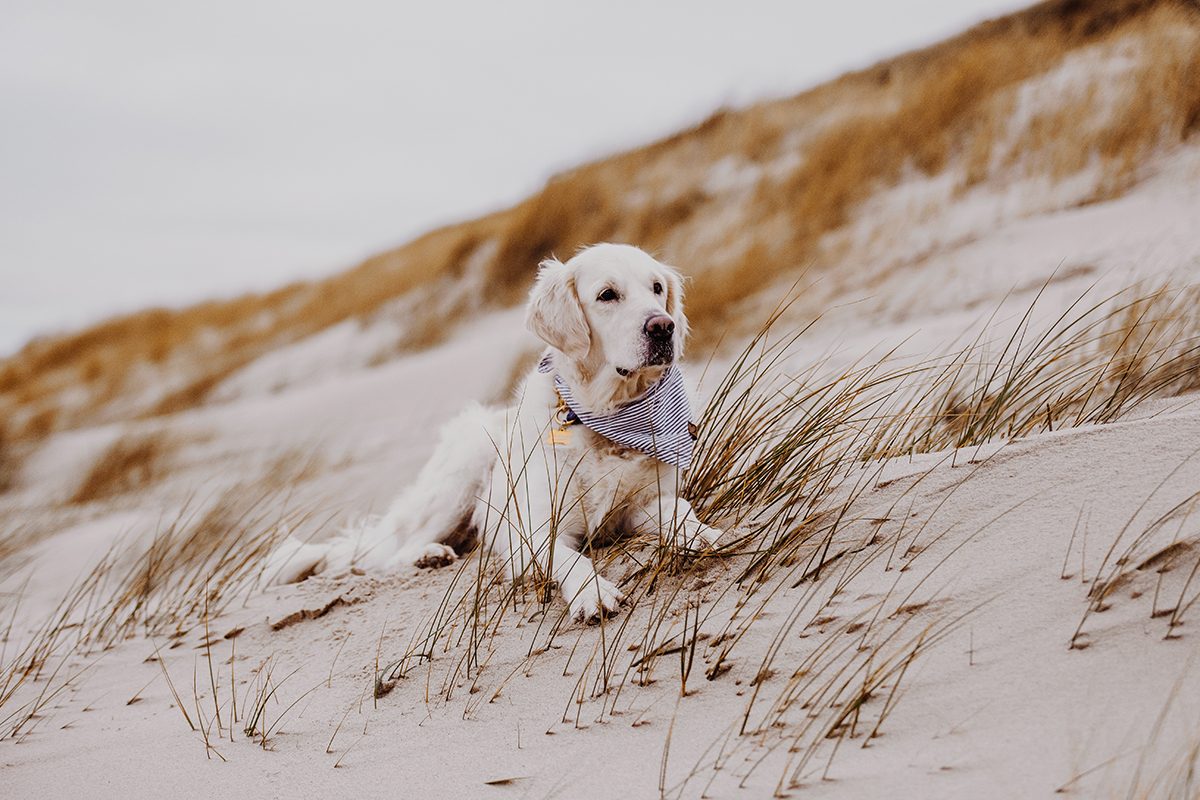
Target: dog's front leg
point(673, 519)
point(589, 595)
point(543, 554)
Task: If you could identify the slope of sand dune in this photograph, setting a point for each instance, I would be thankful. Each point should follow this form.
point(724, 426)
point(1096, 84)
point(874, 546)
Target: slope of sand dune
point(1064, 104)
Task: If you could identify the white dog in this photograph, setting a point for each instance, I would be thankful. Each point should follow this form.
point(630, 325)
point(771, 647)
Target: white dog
point(592, 447)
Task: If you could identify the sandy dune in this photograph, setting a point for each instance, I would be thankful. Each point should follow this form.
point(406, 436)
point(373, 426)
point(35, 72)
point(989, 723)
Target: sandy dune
point(1001, 706)
point(955, 594)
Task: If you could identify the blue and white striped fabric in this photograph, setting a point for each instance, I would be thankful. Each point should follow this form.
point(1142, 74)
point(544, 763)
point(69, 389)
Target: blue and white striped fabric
point(657, 423)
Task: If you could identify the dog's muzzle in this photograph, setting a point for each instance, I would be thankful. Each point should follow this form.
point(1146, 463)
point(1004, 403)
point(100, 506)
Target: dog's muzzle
point(660, 338)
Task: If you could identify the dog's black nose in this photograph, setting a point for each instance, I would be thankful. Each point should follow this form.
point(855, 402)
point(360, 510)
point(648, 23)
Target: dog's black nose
point(660, 327)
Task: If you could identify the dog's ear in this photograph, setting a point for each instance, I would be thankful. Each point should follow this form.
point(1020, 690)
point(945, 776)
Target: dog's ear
point(675, 304)
point(554, 313)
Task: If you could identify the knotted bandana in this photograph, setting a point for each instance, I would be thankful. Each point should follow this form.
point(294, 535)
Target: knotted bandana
point(659, 423)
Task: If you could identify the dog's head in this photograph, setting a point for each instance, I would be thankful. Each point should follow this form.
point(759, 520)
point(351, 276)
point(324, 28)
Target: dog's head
point(611, 305)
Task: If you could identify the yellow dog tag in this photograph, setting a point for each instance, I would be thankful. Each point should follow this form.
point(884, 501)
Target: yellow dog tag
point(558, 436)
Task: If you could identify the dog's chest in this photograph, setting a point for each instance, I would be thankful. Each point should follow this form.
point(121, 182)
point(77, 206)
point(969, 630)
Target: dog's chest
point(602, 475)
point(610, 476)
point(608, 454)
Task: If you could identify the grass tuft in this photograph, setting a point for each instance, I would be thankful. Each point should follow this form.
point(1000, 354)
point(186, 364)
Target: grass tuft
point(130, 464)
point(196, 563)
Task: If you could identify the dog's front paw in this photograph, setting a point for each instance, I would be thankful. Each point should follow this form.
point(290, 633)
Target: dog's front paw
point(435, 555)
point(708, 535)
point(423, 556)
point(698, 536)
point(595, 601)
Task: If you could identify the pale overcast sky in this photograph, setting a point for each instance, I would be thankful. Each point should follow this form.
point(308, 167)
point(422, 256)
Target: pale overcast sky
point(157, 152)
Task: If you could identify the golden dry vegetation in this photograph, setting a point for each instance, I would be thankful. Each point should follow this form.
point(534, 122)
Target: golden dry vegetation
point(7, 458)
point(131, 463)
point(813, 160)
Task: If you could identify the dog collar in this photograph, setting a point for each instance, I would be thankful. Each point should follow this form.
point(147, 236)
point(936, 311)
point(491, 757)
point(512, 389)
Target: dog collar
point(659, 423)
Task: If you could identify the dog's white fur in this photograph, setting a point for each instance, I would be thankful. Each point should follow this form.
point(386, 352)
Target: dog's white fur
point(496, 474)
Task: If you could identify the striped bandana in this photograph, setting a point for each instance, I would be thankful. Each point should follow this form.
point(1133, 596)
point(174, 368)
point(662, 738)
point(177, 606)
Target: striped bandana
point(659, 423)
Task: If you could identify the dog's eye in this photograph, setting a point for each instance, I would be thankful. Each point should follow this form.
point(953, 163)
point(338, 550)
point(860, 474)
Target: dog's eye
point(607, 296)
point(657, 287)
